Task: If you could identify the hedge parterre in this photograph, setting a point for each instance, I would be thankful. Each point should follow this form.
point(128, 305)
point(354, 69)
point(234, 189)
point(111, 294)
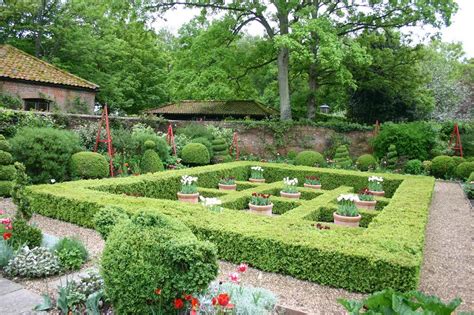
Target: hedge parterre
point(386, 251)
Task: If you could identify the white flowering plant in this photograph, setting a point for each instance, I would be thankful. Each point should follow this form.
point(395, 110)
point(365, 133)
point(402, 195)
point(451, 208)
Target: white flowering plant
point(375, 183)
point(290, 185)
point(188, 184)
point(256, 172)
point(346, 205)
point(213, 204)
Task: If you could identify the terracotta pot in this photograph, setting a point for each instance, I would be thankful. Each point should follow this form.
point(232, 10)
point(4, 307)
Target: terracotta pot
point(369, 205)
point(296, 195)
point(265, 210)
point(377, 193)
point(346, 221)
point(190, 198)
point(312, 186)
point(227, 187)
point(257, 180)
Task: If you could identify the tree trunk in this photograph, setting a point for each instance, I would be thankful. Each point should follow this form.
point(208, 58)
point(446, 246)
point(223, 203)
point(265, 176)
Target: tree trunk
point(313, 86)
point(283, 71)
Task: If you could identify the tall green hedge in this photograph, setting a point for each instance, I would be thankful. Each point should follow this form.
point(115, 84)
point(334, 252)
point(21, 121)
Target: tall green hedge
point(385, 253)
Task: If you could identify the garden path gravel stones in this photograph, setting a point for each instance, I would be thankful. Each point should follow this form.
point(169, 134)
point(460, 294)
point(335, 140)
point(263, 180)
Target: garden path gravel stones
point(447, 270)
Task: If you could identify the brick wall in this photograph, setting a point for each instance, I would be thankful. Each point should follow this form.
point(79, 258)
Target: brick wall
point(61, 96)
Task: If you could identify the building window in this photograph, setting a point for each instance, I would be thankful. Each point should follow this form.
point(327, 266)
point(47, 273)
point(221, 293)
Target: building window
point(37, 104)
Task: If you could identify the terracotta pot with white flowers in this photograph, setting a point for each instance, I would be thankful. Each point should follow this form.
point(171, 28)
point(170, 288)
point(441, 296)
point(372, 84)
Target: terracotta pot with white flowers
point(227, 183)
point(312, 182)
point(376, 186)
point(366, 200)
point(256, 175)
point(347, 213)
point(290, 188)
point(188, 192)
point(261, 204)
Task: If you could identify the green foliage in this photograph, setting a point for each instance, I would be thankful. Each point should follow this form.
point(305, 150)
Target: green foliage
point(150, 162)
point(36, 262)
point(158, 252)
point(106, 218)
point(366, 162)
point(88, 165)
point(427, 166)
point(5, 158)
point(310, 158)
point(45, 152)
point(391, 302)
point(206, 143)
point(342, 158)
point(443, 166)
point(392, 157)
point(195, 130)
point(291, 155)
point(71, 253)
point(195, 154)
point(4, 144)
point(18, 192)
point(7, 171)
point(149, 145)
point(414, 140)
point(11, 102)
point(142, 134)
point(25, 234)
point(464, 169)
point(6, 253)
point(414, 167)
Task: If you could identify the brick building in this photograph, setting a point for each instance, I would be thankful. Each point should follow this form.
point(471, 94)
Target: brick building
point(42, 86)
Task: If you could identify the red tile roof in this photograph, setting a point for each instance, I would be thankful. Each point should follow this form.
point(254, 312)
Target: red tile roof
point(16, 64)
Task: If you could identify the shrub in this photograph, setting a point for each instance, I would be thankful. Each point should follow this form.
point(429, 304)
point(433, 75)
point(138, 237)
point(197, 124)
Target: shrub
point(33, 263)
point(366, 162)
point(7, 172)
point(4, 144)
point(220, 150)
point(5, 188)
point(464, 169)
point(10, 101)
point(413, 140)
point(45, 152)
point(5, 158)
point(106, 218)
point(25, 234)
point(427, 166)
point(195, 154)
point(291, 155)
point(392, 157)
point(195, 130)
point(206, 143)
point(150, 162)
point(414, 167)
point(140, 136)
point(87, 165)
point(71, 253)
point(157, 252)
point(6, 253)
point(309, 158)
point(342, 158)
point(18, 192)
point(442, 166)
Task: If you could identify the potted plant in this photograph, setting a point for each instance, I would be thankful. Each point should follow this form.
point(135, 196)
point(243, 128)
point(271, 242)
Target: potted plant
point(261, 204)
point(256, 175)
point(188, 191)
point(290, 189)
point(227, 183)
point(312, 182)
point(347, 213)
point(213, 204)
point(366, 200)
point(375, 186)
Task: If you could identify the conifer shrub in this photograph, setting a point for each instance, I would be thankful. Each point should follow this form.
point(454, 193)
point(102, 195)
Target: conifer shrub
point(7, 170)
point(392, 157)
point(414, 167)
point(342, 158)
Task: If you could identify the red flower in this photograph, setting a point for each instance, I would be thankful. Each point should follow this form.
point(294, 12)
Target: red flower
point(7, 235)
point(188, 297)
point(242, 267)
point(194, 303)
point(223, 299)
point(214, 301)
point(157, 291)
point(126, 164)
point(178, 304)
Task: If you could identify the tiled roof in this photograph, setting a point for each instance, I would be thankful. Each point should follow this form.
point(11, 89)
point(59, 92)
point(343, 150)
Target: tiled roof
point(224, 108)
point(16, 64)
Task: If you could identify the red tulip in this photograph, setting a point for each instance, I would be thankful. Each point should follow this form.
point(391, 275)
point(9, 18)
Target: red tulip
point(194, 303)
point(214, 301)
point(242, 267)
point(234, 277)
point(223, 299)
point(6, 236)
point(157, 291)
point(178, 304)
point(188, 297)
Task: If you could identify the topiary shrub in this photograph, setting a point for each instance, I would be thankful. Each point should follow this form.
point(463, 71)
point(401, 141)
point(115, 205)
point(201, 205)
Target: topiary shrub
point(443, 166)
point(206, 143)
point(342, 158)
point(156, 252)
point(45, 152)
point(366, 162)
point(25, 234)
point(392, 157)
point(220, 150)
point(195, 154)
point(309, 158)
point(88, 165)
point(7, 170)
point(18, 192)
point(140, 136)
point(150, 162)
point(464, 169)
point(106, 218)
point(414, 167)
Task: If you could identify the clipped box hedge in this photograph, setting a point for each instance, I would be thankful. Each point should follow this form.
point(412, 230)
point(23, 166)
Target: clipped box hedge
point(387, 252)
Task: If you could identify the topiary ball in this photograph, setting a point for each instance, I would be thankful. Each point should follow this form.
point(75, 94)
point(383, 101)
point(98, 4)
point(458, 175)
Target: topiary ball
point(414, 167)
point(442, 166)
point(366, 162)
point(309, 158)
point(5, 158)
point(458, 160)
point(5, 145)
point(151, 162)
point(464, 169)
point(195, 154)
point(206, 143)
point(87, 165)
point(7, 172)
point(427, 166)
point(150, 145)
point(154, 251)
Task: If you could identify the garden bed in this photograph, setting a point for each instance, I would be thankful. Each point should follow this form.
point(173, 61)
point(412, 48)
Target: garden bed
point(387, 253)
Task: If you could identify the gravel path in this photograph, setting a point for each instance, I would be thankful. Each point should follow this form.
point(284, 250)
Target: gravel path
point(448, 268)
